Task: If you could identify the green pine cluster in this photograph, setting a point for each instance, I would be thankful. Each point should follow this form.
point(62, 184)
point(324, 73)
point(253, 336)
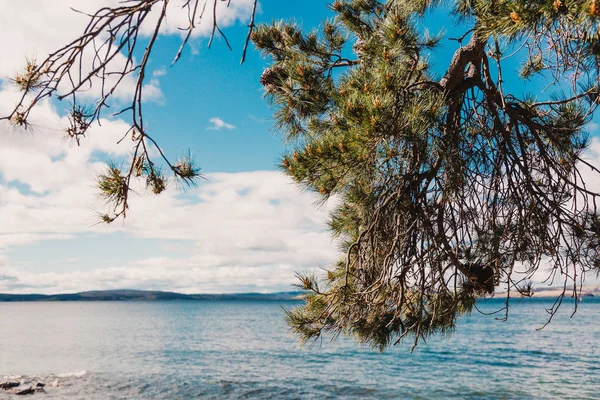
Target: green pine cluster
point(115, 184)
point(447, 185)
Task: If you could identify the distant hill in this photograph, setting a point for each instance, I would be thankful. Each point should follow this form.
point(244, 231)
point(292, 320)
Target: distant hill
point(144, 295)
point(151, 295)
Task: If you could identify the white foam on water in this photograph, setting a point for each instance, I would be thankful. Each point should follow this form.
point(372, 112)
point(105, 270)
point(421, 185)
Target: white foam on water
point(77, 374)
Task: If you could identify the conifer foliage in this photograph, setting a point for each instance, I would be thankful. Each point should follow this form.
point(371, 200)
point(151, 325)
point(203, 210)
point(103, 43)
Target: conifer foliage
point(450, 187)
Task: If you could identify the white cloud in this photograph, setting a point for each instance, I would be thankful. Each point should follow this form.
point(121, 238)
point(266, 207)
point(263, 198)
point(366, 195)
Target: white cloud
point(44, 157)
point(218, 123)
point(162, 71)
point(243, 231)
point(236, 232)
point(246, 231)
point(593, 127)
point(33, 29)
point(228, 13)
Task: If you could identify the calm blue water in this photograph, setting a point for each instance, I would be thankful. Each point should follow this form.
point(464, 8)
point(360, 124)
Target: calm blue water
point(177, 350)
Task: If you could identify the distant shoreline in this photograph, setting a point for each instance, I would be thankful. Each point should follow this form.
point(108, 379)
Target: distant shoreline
point(546, 293)
point(149, 295)
point(145, 295)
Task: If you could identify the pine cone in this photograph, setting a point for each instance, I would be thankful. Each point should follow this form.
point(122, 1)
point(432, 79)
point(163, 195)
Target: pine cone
point(594, 8)
point(272, 78)
point(514, 17)
point(359, 47)
point(559, 6)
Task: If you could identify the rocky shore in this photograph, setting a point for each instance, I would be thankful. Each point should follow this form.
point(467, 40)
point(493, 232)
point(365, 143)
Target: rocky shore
point(21, 388)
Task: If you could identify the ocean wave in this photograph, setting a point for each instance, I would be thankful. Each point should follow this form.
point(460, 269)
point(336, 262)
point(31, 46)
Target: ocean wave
point(76, 374)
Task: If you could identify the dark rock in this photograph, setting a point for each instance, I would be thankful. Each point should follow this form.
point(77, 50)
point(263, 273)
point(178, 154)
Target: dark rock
point(25, 391)
point(8, 385)
point(40, 385)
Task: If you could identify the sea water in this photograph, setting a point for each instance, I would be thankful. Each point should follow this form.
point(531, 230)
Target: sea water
point(234, 349)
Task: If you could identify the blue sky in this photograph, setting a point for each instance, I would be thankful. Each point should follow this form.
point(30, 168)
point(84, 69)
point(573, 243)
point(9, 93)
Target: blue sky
point(246, 228)
point(211, 82)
